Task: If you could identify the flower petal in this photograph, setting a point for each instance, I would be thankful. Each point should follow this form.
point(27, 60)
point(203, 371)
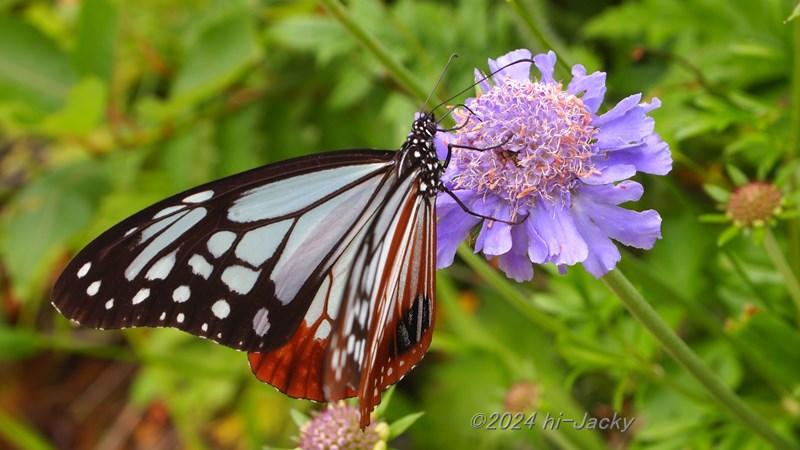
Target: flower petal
point(519, 71)
point(608, 172)
point(633, 228)
point(453, 226)
point(652, 155)
point(515, 263)
point(537, 247)
point(495, 237)
point(624, 124)
point(555, 226)
point(482, 80)
point(593, 87)
point(602, 254)
point(546, 63)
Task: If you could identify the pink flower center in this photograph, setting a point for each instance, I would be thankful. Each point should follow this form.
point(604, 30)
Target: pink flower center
point(542, 138)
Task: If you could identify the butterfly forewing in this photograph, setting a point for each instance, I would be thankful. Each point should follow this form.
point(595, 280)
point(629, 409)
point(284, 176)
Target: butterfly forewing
point(225, 259)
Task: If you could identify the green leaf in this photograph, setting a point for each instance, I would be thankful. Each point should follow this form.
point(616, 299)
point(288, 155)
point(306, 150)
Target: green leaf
point(17, 343)
point(44, 216)
point(713, 218)
point(218, 56)
point(719, 194)
point(400, 425)
point(298, 417)
point(323, 36)
point(21, 434)
point(35, 75)
point(83, 111)
point(236, 140)
point(729, 233)
point(737, 176)
point(795, 13)
point(773, 342)
point(96, 36)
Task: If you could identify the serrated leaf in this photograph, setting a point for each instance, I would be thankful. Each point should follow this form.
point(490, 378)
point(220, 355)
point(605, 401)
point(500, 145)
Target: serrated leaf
point(400, 425)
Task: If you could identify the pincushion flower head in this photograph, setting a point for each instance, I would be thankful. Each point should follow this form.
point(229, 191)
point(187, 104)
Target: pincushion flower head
point(550, 165)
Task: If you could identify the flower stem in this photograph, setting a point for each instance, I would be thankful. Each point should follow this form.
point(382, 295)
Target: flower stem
point(536, 27)
point(780, 263)
point(681, 352)
point(402, 75)
point(794, 146)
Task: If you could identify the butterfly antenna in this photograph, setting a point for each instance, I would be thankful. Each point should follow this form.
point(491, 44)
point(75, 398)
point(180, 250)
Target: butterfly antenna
point(441, 76)
point(484, 78)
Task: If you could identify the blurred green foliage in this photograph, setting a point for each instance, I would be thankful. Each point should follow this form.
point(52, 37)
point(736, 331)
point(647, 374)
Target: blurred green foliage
point(107, 106)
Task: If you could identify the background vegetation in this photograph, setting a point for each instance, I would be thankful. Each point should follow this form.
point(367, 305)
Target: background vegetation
point(107, 106)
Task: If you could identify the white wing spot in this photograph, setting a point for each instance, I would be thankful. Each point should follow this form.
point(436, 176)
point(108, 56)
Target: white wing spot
point(162, 267)
point(221, 309)
point(362, 316)
point(168, 210)
point(351, 342)
point(261, 322)
point(110, 304)
point(140, 296)
point(130, 232)
point(84, 270)
point(259, 245)
point(181, 317)
point(269, 201)
point(200, 266)
point(163, 316)
point(199, 197)
point(204, 327)
point(93, 288)
point(323, 330)
point(220, 242)
point(181, 294)
point(240, 279)
point(219, 335)
point(183, 223)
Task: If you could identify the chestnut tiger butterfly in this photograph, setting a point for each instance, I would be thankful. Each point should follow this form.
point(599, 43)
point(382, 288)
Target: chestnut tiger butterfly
point(321, 267)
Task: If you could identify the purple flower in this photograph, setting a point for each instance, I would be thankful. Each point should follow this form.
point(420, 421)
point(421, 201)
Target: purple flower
point(554, 168)
point(337, 427)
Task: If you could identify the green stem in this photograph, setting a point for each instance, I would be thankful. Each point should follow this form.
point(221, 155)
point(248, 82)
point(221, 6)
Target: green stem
point(670, 341)
point(794, 146)
point(776, 256)
point(536, 27)
point(400, 74)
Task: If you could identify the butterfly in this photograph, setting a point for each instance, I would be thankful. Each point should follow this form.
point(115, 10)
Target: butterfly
point(321, 268)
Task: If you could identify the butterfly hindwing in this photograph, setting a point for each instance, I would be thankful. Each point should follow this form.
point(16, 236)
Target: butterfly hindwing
point(223, 260)
point(388, 326)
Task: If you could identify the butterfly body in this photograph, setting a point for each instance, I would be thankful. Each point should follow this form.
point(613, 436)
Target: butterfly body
point(320, 267)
